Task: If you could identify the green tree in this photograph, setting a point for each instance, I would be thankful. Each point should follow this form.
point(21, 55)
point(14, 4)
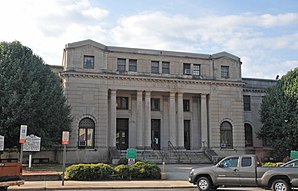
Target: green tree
point(279, 115)
point(30, 94)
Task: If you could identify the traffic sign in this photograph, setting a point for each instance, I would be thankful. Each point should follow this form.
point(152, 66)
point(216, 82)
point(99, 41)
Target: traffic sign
point(23, 133)
point(65, 137)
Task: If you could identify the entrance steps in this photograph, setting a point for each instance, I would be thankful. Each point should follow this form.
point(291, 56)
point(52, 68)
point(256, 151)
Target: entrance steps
point(171, 156)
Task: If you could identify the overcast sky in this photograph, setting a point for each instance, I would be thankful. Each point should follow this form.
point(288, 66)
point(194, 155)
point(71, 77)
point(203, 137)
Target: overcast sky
point(263, 33)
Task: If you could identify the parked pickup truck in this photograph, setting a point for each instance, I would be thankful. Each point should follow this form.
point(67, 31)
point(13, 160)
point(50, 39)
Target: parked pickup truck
point(245, 170)
point(10, 175)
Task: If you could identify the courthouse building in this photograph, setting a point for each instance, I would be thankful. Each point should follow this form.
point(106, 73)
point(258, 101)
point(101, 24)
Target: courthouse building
point(157, 100)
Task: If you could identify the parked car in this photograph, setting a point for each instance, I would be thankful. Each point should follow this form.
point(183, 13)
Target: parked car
point(245, 170)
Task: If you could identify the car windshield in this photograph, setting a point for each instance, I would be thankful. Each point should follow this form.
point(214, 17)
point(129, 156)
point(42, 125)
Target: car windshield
point(293, 163)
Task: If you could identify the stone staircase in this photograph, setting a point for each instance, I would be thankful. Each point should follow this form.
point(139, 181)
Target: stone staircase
point(171, 156)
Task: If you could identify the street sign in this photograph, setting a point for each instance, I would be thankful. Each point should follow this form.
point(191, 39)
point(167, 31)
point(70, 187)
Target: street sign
point(131, 153)
point(23, 133)
point(294, 155)
point(1, 143)
point(32, 143)
point(65, 137)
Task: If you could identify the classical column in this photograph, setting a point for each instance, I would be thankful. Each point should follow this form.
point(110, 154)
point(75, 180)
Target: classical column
point(147, 130)
point(180, 122)
point(204, 128)
point(140, 124)
point(112, 128)
point(172, 119)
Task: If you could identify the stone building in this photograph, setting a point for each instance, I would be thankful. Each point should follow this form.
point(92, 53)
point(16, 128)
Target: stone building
point(156, 100)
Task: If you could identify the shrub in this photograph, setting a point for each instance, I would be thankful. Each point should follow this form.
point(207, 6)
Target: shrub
point(98, 171)
point(145, 170)
point(123, 171)
point(122, 161)
point(270, 164)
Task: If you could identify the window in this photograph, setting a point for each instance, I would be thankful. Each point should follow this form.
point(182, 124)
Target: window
point(246, 161)
point(86, 132)
point(230, 162)
point(226, 135)
point(155, 104)
point(155, 67)
point(225, 71)
point(121, 64)
point(246, 102)
point(197, 69)
point(88, 62)
point(121, 102)
point(248, 135)
point(186, 69)
point(186, 105)
point(132, 65)
point(165, 67)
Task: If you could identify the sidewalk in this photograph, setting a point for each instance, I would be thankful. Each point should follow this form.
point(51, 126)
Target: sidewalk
point(177, 176)
point(78, 185)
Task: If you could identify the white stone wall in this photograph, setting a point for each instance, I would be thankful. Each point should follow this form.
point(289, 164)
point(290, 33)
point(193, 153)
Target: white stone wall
point(212, 99)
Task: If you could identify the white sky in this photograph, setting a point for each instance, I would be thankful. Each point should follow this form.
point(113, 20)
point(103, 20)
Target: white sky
point(264, 34)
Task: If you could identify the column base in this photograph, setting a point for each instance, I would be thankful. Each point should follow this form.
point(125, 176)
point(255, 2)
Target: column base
point(180, 148)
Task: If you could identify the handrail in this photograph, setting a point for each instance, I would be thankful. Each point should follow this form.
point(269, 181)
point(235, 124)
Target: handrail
point(170, 145)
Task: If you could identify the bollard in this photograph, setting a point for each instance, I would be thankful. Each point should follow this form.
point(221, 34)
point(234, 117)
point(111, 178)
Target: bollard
point(163, 175)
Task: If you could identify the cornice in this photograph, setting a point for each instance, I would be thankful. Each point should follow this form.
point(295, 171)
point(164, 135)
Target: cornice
point(149, 79)
point(254, 90)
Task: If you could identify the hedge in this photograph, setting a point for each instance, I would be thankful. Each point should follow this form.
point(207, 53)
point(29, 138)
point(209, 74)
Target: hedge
point(101, 171)
point(98, 171)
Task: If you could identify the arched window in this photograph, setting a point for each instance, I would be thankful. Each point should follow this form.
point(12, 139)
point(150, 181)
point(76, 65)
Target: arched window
point(248, 135)
point(226, 135)
point(86, 132)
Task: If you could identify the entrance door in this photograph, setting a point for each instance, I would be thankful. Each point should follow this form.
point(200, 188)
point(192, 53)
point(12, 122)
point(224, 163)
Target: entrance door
point(155, 134)
point(187, 134)
point(121, 134)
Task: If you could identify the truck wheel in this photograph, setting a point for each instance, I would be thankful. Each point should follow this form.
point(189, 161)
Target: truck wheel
point(280, 185)
point(3, 188)
point(204, 184)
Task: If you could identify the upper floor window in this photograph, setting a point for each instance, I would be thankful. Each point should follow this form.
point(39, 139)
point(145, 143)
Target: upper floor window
point(88, 62)
point(197, 69)
point(186, 105)
point(121, 102)
point(225, 71)
point(86, 132)
point(248, 135)
point(154, 67)
point(121, 64)
point(246, 102)
point(226, 135)
point(155, 104)
point(165, 67)
point(186, 69)
point(132, 65)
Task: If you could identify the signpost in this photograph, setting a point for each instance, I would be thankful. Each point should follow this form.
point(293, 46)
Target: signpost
point(1, 143)
point(65, 141)
point(23, 134)
point(32, 144)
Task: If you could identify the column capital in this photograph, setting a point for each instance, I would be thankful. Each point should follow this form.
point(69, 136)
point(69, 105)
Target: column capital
point(147, 93)
point(113, 90)
point(180, 94)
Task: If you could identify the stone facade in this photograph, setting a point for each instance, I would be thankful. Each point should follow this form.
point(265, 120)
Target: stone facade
point(151, 99)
